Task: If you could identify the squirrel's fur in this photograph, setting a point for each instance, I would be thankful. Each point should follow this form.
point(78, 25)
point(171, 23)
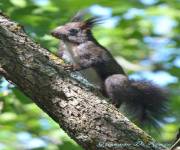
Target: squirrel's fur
point(146, 100)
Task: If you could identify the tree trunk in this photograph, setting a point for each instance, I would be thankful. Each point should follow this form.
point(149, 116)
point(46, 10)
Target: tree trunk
point(80, 111)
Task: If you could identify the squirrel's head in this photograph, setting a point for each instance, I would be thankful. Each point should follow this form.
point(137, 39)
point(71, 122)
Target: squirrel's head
point(76, 31)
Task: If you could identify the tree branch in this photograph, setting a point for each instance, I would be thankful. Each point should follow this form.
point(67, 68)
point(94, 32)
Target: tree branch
point(87, 118)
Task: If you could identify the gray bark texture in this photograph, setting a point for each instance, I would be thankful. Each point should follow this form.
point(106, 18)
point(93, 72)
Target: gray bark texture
point(84, 115)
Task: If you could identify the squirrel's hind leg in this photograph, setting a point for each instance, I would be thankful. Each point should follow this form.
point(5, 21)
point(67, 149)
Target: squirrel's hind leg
point(117, 88)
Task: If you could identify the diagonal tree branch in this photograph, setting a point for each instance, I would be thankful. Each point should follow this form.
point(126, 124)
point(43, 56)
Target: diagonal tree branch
point(87, 118)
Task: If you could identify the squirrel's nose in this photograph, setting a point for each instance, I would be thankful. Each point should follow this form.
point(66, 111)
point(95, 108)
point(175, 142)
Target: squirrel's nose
point(58, 35)
point(54, 33)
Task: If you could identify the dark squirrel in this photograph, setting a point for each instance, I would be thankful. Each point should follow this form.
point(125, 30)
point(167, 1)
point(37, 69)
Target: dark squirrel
point(146, 100)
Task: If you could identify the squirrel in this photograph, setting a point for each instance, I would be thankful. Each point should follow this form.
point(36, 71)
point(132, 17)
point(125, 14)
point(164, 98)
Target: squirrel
point(147, 101)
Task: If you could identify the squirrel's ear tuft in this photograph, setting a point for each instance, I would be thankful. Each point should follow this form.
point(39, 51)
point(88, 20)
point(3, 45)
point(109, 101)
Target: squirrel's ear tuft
point(91, 22)
point(79, 16)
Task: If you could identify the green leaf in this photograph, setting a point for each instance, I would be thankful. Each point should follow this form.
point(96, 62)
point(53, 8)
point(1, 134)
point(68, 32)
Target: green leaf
point(20, 96)
point(19, 3)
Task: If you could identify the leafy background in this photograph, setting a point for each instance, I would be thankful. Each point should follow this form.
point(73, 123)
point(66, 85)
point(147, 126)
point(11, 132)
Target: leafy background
point(142, 35)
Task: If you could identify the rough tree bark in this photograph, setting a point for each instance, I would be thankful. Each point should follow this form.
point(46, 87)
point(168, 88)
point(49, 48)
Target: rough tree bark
point(86, 117)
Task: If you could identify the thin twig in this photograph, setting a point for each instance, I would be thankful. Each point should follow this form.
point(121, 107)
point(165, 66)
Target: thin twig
point(175, 144)
point(4, 74)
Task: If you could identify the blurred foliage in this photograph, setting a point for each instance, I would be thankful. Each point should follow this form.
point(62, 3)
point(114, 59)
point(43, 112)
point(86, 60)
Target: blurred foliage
point(145, 32)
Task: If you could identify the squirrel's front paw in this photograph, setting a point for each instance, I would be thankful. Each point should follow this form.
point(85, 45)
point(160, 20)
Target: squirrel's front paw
point(71, 67)
point(68, 67)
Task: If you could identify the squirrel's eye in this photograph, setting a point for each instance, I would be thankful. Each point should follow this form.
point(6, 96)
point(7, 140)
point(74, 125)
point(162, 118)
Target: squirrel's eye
point(73, 31)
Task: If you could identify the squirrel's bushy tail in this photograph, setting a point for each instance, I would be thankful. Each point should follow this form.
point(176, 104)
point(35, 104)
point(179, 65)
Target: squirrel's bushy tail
point(149, 102)
point(145, 102)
